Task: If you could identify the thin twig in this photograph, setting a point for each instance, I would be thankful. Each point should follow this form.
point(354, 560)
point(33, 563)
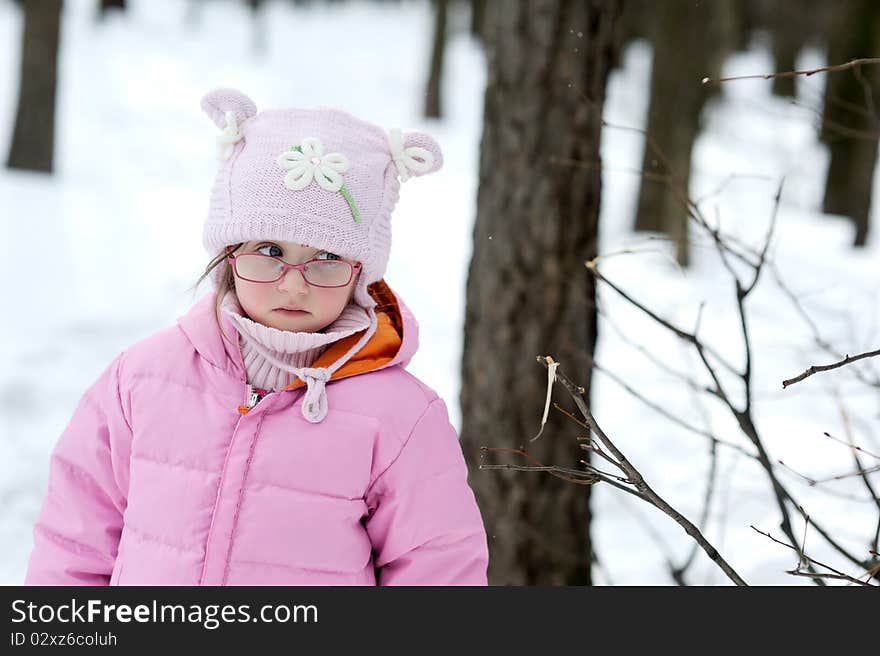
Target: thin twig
point(814, 329)
point(678, 573)
point(566, 474)
point(813, 561)
point(671, 417)
point(814, 369)
point(636, 479)
point(849, 444)
point(682, 334)
point(807, 73)
point(847, 427)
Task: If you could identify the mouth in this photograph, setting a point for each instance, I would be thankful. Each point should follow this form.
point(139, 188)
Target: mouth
point(290, 312)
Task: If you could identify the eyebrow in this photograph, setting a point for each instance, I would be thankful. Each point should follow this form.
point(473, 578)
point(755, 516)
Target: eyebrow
point(260, 244)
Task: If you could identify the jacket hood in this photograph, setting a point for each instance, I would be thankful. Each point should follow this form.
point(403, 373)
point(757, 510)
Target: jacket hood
point(395, 342)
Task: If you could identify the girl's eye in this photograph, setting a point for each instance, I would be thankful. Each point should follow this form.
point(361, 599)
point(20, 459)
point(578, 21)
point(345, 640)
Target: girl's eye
point(269, 249)
point(324, 255)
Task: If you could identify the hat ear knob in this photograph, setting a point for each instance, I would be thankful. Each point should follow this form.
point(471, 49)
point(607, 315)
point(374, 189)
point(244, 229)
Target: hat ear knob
point(413, 153)
point(228, 109)
point(217, 103)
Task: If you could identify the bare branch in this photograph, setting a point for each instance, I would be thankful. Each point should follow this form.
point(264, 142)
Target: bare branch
point(813, 561)
point(824, 69)
point(827, 367)
point(849, 444)
point(636, 478)
point(671, 417)
point(566, 474)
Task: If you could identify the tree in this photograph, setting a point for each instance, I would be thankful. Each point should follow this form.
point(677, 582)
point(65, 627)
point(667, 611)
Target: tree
point(259, 33)
point(478, 17)
point(690, 43)
point(791, 25)
point(849, 121)
point(528, 292)
point(33, 137)
point(788, 23)
point(110, 5)
point(433, 99)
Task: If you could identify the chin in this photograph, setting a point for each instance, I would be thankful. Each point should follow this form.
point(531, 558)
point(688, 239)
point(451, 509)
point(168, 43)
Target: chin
point(294, 325)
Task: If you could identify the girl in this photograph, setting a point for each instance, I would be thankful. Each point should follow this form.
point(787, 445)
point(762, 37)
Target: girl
point(273, 436)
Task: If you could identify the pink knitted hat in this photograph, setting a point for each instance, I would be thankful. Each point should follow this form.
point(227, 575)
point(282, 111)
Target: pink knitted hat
point(317, 176)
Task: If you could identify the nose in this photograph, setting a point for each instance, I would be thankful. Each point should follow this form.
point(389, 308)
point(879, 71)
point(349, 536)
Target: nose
point(293, 282)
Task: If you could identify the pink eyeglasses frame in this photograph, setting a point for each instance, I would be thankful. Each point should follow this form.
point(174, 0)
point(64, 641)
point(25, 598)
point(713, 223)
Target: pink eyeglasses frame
point(287, 267)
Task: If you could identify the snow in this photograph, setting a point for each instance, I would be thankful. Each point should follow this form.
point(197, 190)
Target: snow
point(750, 142)
point(105, 252)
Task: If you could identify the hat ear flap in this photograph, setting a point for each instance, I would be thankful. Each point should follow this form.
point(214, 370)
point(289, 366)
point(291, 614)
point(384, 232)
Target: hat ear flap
point(218, 102)
point(414, 153)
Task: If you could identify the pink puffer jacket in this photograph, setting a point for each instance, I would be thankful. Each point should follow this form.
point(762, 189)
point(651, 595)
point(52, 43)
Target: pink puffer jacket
point(160, 480)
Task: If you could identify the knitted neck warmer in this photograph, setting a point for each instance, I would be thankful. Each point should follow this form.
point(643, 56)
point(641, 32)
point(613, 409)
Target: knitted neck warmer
point(273, 357)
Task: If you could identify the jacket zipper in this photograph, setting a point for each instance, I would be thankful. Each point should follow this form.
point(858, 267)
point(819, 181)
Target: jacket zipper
point(217, 498)
point(253, 395)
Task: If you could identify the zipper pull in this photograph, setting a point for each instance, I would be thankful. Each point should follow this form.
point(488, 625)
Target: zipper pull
point(253, 397)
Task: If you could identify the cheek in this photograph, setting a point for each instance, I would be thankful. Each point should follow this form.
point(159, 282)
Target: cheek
point(252, 296)
point(333, 300)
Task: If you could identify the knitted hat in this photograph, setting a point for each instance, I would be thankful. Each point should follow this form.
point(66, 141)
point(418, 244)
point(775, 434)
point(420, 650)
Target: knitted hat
point(317, 176)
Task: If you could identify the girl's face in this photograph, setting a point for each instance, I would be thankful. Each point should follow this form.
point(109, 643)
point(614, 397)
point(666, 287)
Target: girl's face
point(291, 303)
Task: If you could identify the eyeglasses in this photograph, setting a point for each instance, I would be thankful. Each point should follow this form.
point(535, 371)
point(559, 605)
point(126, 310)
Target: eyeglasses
point(256, 267)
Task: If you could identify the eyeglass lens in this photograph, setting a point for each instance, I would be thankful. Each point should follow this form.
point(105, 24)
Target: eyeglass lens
point(328, 273)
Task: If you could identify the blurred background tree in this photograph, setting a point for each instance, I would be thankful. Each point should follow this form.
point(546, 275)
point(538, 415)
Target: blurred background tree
point(849, 121)
point(689, 43)
point(433, 97)
point(106, 6)
point(33, 135)
point(478, 17)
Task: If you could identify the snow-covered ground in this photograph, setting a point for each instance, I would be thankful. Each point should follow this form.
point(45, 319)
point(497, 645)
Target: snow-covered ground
point(121, 225)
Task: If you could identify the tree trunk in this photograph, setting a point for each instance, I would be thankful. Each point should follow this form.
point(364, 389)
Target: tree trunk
point(634, 23)
point(192, 18)
point(690, 43)
point(110, 5)
point(794, 24)
point(850, 119)
point(528, 292)
point(788, 37)
point(33, 137)
point(259, 33)
point(433, 100)
point(478, 17)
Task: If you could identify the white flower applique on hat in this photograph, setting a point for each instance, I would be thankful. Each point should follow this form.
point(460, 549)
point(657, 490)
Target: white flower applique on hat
point(230, 135)
point(307, 162)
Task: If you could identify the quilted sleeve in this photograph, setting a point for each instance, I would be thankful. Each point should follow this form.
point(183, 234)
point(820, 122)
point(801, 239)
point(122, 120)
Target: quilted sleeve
point(424, 522)
point(80, 522)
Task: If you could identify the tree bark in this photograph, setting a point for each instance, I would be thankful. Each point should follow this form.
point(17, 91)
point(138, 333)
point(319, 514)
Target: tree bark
point(478, 17)
point(528, 292)
point(259, 33)
point(433, 99)
point(110, 5)
point(690, 43)
point(850, 120)
point(787, 40)
point(33, 136)
point(793, 24)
